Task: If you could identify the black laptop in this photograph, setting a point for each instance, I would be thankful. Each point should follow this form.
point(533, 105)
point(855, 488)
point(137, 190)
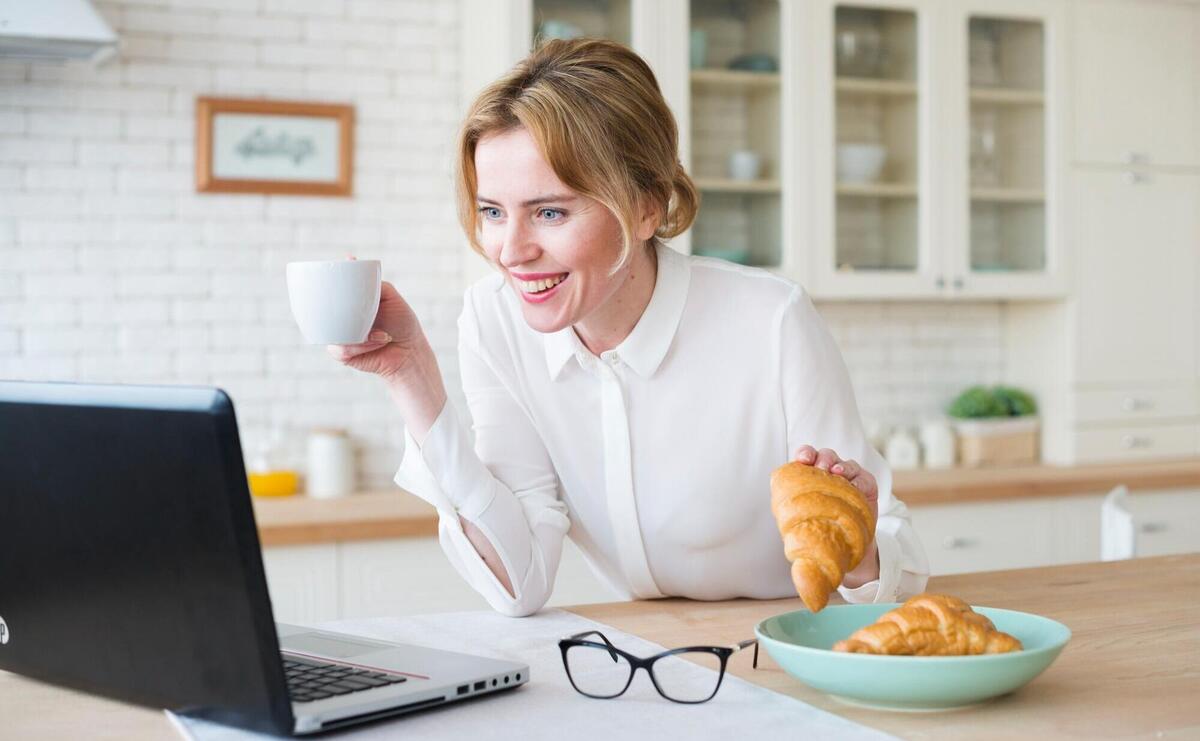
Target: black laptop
point(130, 567)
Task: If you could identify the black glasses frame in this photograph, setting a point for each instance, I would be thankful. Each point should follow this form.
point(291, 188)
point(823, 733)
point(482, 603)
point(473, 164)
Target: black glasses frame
point(647, 663)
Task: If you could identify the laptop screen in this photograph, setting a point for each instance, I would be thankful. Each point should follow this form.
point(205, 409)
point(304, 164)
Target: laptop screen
point(131, 562)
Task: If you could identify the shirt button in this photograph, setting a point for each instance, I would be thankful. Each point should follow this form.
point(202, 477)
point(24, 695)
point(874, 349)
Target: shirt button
point(613, 359)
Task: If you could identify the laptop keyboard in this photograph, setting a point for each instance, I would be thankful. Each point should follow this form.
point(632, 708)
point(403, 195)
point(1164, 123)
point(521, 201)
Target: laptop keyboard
point(313, 680)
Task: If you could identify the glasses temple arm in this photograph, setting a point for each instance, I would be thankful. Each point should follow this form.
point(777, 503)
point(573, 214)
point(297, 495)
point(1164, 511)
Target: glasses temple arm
point(746, 644)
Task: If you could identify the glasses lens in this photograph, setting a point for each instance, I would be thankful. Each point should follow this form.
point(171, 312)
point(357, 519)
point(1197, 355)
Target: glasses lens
point(597, 671)
point(691, 676)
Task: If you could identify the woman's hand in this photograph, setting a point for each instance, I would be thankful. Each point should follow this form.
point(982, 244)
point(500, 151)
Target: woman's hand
point(394, 344)
point(862, 479)
point(397, 351)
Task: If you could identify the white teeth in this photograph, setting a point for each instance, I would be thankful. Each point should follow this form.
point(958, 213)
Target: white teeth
point(537, 286)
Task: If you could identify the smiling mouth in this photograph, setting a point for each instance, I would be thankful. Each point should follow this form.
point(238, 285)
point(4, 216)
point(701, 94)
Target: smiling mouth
point(535, 287)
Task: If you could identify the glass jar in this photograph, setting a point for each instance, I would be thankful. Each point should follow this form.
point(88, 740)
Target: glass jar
point(858, 43)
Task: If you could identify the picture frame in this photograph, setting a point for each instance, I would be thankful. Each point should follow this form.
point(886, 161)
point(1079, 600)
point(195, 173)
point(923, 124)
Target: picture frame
point(273, 146)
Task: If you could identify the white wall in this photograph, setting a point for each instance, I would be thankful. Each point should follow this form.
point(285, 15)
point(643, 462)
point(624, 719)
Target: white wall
point(113, 269)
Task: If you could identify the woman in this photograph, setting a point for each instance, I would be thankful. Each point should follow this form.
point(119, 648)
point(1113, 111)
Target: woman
point(622, 392)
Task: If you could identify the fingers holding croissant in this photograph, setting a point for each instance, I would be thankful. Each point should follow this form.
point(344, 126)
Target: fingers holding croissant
point(826, 525)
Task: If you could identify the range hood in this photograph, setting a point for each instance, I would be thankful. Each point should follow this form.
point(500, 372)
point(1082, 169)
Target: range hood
point(54, 29)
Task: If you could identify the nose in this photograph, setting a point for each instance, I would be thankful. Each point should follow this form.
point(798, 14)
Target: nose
point(519, 246)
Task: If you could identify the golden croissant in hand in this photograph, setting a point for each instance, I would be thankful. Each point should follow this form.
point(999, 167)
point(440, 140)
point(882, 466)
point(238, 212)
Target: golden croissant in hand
point(826, 527)
point(930, 625)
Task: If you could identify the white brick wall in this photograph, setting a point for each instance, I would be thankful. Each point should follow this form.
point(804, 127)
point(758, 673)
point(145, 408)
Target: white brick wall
point(112, 268)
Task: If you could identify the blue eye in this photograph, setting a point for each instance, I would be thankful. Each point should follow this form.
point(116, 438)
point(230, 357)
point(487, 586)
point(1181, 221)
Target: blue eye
point(489, 212)
point(552, 214)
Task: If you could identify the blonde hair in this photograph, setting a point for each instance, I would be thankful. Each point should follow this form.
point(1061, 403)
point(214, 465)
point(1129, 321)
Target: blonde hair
point(594, 109)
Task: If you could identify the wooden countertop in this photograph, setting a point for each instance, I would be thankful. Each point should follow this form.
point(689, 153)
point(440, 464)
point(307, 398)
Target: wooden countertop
point(1129, 670)
point(396, 514)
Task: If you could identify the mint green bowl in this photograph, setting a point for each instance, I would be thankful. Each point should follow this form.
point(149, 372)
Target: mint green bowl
point(801, 643)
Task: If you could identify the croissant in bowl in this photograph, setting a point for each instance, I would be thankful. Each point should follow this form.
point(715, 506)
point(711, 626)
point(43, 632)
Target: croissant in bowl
point(930, 625)
point(826, 527)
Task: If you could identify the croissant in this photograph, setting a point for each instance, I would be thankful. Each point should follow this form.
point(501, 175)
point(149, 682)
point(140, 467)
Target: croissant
point(930, 625)
point(826, 526)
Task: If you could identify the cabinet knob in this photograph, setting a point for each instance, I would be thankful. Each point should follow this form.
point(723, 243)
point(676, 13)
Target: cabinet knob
point(1132, 404)
point(1150, 528)
point(1136, 178)
point(1137, 158)
point(1135, 441)
point(957, 543)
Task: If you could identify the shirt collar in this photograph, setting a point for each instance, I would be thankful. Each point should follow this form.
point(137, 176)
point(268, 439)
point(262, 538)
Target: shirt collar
point(646, 346)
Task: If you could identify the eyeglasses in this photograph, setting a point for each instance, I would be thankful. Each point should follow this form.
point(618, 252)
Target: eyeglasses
point(601, 670)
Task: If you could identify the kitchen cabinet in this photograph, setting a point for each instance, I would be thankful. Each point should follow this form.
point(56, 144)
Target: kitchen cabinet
point(1165, 522)
point(1139, 241)
point(1021, 533)
point(395, 576)
point(965, 103)
point(303, 582)
point(1136, 81)
point(939, 220)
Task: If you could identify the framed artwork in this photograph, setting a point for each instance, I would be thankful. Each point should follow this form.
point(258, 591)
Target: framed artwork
point(270, 146)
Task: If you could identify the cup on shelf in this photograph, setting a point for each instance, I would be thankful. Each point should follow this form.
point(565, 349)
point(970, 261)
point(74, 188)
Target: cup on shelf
point(334, 301)
point(860, 162)
point(745, 164)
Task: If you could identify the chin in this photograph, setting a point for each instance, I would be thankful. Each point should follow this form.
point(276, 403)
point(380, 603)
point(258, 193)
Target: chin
point(541, 322)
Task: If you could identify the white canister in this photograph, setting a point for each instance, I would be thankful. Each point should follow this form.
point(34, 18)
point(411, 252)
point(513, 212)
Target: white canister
point(938, 443)
point(902, 452)
point(330, 463)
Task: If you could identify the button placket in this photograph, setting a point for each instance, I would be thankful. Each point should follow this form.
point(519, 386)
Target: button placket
point(618, 484)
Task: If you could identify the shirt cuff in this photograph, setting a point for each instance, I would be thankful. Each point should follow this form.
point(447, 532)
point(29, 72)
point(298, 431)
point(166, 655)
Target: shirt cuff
point(886, 587)
point(445, 470)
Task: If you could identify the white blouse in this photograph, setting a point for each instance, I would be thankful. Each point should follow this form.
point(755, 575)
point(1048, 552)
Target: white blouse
point(654, 457)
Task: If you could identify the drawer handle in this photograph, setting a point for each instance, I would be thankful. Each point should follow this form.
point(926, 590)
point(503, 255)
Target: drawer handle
point(1150, 528)
point(1132, 404)
point(1130, 442)
point(956, 543)
point(1137, 158)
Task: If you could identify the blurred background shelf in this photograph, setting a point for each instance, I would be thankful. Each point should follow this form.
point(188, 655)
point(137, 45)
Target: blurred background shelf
point(729, 185)
point(732, 78)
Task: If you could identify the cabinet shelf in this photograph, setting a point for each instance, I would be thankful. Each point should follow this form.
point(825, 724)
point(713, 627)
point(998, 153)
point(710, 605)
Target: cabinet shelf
point(1008, 195)
point(872, 86)
point(734, 78)
point(877, 190)
point(1007, 96)
point(729, 185)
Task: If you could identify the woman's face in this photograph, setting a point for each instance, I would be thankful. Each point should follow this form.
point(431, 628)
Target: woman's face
point(554, 246)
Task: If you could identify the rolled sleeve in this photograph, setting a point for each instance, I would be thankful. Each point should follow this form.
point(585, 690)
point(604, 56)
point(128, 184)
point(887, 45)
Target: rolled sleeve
point(445, 471)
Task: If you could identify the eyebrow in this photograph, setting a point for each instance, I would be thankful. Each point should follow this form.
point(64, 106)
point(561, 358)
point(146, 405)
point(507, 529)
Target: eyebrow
point(552, 198)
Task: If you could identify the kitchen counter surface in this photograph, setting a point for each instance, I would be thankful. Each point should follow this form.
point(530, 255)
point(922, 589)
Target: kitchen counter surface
point(394, 514)
point(1129, 671)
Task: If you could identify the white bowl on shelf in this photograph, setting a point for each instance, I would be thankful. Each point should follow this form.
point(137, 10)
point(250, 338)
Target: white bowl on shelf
point(860, 163)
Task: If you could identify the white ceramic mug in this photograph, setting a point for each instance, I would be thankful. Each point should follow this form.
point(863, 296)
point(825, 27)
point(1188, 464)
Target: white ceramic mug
point(744, 164)
point(334, 301)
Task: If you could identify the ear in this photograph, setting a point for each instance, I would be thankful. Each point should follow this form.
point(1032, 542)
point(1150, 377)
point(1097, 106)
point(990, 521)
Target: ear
point(650, 221)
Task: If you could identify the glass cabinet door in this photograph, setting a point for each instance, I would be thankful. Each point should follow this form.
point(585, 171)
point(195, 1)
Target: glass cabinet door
point(568, 19)
point(876, 224)
point(1007, 145)
point(734, 60)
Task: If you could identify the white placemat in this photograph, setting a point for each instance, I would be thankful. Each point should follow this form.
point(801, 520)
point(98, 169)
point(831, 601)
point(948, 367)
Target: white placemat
point(548, 707)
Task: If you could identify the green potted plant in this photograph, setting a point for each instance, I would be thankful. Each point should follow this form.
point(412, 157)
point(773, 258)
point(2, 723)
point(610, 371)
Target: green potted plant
point(996, 425)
